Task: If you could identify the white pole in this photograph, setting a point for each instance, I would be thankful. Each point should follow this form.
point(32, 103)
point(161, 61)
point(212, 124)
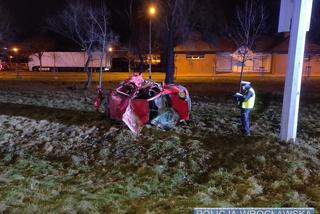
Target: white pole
point(290, 108)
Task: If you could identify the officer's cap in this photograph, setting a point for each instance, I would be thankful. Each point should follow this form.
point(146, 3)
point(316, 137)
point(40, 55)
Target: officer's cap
point(245, 83)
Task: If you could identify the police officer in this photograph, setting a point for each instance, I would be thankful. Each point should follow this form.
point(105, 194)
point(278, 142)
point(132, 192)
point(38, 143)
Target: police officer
point(246, 103)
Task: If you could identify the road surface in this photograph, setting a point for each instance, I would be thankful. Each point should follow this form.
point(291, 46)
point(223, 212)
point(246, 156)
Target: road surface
point(119, 76)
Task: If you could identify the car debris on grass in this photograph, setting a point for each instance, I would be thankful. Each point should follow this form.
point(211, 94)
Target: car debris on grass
point(137, 102)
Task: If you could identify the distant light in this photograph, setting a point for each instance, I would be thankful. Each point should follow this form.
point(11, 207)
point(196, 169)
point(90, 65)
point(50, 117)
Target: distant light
point(110, 49)
point(10, 57)
point(5, 48)
point(106, 69)
point(152, 10)
point(15, 49)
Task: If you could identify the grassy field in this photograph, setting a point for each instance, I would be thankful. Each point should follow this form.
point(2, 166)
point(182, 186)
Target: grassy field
point(58, 156)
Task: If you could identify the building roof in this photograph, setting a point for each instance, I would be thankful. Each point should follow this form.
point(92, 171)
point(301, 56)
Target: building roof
point(283, 47)
point(226, 45)
point(195, 43)
point(264, 44)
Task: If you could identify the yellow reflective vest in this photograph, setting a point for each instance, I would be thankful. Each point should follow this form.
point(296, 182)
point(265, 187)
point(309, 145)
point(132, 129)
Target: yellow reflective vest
point(250, 102)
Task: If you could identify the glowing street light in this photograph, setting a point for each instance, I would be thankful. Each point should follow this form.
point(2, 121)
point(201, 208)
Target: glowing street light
point(10, 60)
point(15, 49)
point(152, 12)
point(110, 49)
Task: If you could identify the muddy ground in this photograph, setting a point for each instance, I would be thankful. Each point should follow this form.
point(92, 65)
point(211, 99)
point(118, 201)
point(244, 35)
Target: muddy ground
point(59, 156)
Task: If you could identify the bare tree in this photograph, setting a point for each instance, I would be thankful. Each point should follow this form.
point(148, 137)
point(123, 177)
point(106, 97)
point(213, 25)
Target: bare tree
point(103, 34)
point(129, 14)
point(247, 27)
point(212, 24)
point(139, 46)
point(75, 23)
point(178, 22)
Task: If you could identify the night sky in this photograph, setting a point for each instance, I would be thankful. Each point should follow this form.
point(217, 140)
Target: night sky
point(29, 16)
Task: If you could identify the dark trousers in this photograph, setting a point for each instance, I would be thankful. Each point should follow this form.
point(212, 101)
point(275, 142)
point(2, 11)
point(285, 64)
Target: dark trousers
point(245, 113)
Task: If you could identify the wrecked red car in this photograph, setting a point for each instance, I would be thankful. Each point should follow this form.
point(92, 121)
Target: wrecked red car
point(137, 102)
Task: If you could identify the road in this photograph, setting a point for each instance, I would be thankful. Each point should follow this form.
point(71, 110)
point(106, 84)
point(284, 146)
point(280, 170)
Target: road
point(70, 76)
point(119, 76)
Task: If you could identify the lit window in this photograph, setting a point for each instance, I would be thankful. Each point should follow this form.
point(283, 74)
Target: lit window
point(195, 56)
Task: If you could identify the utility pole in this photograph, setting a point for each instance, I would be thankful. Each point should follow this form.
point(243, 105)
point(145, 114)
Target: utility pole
point(15, 50)
point(152, 12)
point(150, 49)
point(298, 25)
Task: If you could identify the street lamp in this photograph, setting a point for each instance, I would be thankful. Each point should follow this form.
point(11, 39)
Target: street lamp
point(10, 60)
point(15, 50)
point(152, 12)
point(110, 49)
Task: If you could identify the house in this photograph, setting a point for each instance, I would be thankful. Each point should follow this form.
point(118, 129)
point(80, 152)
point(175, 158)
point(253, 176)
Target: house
point(311, 65)
point(196, 57)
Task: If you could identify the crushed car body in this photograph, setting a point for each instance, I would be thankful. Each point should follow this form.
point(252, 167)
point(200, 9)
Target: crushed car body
point(137, 102)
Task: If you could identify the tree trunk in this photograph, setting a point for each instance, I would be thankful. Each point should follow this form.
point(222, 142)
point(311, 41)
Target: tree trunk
point(129, 57)
point(141, 64)
point(100, 72)
point(241, 75)
point(170, 58)
point(40, 63)
point(87, 84)
point(40, 60)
